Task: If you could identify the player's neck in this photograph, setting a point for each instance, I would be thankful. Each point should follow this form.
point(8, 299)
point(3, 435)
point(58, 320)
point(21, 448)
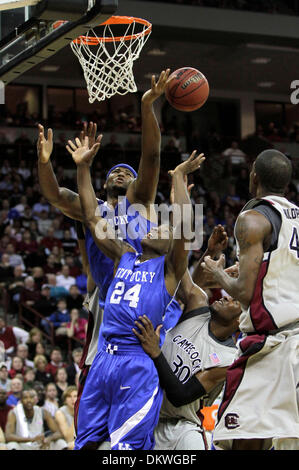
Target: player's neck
point(264, 193)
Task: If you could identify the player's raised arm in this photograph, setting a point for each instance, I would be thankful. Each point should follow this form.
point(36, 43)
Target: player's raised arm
point(252, 228)
point(143, 189)
point(103, 233)
point(62, 198)
point(177, 257)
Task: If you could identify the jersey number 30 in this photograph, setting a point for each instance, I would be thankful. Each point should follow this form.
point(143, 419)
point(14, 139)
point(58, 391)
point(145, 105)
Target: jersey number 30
point(131, 295)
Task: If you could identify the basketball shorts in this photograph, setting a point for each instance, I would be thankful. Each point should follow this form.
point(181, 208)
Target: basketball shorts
point(121, 400)
point(260, 399)
point(179, 434)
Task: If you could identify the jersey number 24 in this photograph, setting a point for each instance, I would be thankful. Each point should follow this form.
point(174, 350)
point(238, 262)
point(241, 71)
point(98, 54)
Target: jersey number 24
point(131, 295)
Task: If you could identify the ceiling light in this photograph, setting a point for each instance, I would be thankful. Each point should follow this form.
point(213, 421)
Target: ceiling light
point(261, 60)
point(156, 52)
point(266, 84)
point(50, 68)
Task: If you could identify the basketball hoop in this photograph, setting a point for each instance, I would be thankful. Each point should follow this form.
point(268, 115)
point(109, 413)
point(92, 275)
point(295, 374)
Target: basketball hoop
point(107, 60)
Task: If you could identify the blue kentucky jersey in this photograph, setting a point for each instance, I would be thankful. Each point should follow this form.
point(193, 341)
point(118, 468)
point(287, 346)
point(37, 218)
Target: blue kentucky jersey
point(137, 288)
point(132, 227)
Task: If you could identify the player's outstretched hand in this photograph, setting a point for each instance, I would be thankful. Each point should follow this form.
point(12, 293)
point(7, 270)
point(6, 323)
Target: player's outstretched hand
point(44, 146)
point(80, 151)
point(157, 88)
point(90, 130)
point(218, 240)
point(190, 165)
point(148, 337)
point(211, 267)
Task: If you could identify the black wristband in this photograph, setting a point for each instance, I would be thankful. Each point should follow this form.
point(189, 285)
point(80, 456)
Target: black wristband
point(79, 230)
point(177, 393)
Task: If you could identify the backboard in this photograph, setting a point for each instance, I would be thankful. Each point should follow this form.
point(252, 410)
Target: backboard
point(34, 30)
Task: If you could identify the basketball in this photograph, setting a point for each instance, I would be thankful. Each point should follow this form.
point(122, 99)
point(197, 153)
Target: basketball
point(187, 90)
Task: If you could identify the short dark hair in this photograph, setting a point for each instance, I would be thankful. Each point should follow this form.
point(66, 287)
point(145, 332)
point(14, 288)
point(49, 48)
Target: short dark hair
point(274, 170)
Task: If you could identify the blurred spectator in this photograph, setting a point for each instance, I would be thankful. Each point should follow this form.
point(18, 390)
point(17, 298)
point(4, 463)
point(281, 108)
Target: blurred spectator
point(7, 336)
point(65, 415)
point(46, 304)
point(40, 206)
point(4, 408)
point(17, 367)
point(77, 327)
point(27, 245)
point(235, 156)
point(51, 403)
point(26, 426)
point(14, 395)
point(23, 352)
point(61, 383)
point(6, 270)
point(74, 299)
point(59, 319)
point(28, 296)
point(35, 337)
point(51, 267)
point(74, 269)
point(14, 258)
point(56, 291)
point(64, 279)
point(29, 378)
point(4, 379)
point(49, 241)
point(41, 374)
point(55, 361)
point(23, 170)
point(40, 390)
point(44, 223)
point(73, 368)
point(39, 276)
point(69, 244)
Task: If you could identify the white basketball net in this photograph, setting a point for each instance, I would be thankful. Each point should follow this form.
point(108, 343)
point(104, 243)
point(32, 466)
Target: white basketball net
point(107, 62)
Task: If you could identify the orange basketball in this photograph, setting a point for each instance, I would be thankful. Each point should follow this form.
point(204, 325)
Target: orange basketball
point(188, 89)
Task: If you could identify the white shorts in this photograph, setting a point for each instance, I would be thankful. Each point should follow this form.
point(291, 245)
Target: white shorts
point(260, 400)
point(179, 434)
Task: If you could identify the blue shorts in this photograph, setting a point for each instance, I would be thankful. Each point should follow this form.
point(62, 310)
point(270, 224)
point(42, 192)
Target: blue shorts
point(121, 400)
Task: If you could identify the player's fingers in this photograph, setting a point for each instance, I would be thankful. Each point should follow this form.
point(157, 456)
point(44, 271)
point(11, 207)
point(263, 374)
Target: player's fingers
point(158, 329)
point(71, 144)
point(77, 140)
point(50, 135)
point(69, 149)
point(141, 327)
point(140, 337)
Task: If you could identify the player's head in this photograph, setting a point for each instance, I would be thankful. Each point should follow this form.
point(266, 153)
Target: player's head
point(228, 311)
point(271, 173)
point(118, 178)
point(28, 399)
point(158, 239)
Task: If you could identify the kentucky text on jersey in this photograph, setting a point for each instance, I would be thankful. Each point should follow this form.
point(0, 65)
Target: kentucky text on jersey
point(188, 347)
point(137, 276)
point(291, 213)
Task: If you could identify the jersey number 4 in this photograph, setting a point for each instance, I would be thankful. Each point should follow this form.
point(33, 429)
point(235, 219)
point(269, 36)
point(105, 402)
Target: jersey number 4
point(294, 243)
point(131, 295)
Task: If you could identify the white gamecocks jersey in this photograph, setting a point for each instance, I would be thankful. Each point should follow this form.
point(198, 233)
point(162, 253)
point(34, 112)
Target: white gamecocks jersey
point(275, 302)
point(189, 348)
